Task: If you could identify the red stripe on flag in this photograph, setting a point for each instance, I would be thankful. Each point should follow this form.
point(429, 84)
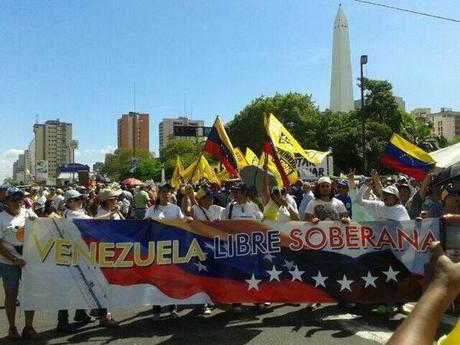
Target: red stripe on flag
point(396, 165)
point(213, 149)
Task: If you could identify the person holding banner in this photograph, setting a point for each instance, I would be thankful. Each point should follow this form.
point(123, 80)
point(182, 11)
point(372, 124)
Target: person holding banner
point(325, 206)
point(241, 207)
point(12, 222)
point(74, 210)
point(164, 209)
point(276, 207)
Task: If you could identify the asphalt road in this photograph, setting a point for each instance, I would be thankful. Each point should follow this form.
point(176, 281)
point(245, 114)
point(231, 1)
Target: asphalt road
point(278, 324)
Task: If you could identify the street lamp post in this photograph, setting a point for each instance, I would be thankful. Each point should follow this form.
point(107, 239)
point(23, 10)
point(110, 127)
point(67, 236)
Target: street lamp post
point(363, 61)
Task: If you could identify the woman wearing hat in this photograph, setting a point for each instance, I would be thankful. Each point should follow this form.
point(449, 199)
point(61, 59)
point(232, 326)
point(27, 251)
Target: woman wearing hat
point(12, 221)
point(202, 205)
point(164, 209)
point(388, 209)
point(108, 199)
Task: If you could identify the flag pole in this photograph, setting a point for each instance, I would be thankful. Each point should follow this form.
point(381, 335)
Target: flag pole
point(201, 154)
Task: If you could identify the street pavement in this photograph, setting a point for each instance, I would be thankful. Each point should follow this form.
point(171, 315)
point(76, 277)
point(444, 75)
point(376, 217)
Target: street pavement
point(278, 324)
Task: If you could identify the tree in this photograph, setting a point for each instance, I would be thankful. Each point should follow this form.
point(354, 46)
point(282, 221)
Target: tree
point(117, 165)
point(420, 133)
point(295, 111)
point(188, 150)
point(380, 104)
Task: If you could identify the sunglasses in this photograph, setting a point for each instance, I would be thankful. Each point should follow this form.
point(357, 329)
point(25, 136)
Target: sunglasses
point(76, 199)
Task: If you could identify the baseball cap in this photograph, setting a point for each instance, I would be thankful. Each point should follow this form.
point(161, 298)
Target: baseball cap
point(71, 194)
point(14, 191)
point(241, 186)
point(202, 192)
point(106, 194)
point(343, 182)
point(391, 190)
point(324, 179)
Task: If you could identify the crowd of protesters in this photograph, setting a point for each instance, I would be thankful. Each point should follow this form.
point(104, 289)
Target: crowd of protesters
point(349, 199)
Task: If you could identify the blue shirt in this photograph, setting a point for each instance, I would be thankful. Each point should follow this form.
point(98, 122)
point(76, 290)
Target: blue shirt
point(346, 201)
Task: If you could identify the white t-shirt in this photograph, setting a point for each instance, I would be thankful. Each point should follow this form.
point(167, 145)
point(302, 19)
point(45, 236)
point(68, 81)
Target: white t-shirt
point(78, 214)
point(379, 211)
point(326, 210)
point(214, 212)
point(169, 211)
point(12, 232)
point(291, 202)
point(247, 210)
point(101, 211)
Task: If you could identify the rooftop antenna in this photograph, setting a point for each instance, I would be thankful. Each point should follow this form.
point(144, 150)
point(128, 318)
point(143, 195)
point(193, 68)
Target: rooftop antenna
point(134, 98)
point(36, 119)
point(185, 104)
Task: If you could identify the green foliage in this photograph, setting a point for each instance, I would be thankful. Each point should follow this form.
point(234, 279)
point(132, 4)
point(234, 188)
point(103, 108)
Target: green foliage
point(297, 112)
point(188, 150)
point(117, 165)
point(340, 132)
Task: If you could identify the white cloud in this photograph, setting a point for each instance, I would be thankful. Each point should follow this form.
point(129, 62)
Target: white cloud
point(7, 159)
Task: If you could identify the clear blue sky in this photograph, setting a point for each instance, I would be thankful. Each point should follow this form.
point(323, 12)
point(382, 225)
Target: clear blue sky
point(78, 60)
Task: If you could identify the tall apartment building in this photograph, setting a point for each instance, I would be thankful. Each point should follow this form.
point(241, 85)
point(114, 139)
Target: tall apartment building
point(52, 140)
point(166, 129)
point(133, 131)
point(446, 123)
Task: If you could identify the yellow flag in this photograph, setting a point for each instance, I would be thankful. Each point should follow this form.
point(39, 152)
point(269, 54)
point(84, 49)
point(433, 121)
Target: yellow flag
point(285, 141)
point(176, 176)
point(282, 146)
point(271, 167)
point(203, 171)
point(251, 157)
point(316, 157)
point(222, 174)
point(240, 159)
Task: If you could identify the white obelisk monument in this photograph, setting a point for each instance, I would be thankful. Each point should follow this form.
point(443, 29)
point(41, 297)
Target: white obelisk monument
point(341, 81)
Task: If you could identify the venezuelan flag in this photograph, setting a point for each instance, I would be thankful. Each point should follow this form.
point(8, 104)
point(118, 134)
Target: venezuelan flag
point(220, 147)
point(403, 156)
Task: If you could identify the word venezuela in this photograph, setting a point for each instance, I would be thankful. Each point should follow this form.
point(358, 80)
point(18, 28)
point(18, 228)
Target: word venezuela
point(165, 252)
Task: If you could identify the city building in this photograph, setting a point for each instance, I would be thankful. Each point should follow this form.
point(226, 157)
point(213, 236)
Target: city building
point(341, 80)
point(184, 130)
point(422, 114)
point(133, 131)
point(52, 145)
point(30, 158)
point(446, 123)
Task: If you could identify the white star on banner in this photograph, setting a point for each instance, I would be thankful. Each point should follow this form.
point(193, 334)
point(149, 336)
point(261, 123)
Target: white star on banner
point(319, 279)
point(345, 284)
point(370, 280)
point(274, 274)
point(391, 275)
point(209, 245)
point(269, 257)
point(253, 283)
point(296, 274)
point(289, 265)
point(201, 267)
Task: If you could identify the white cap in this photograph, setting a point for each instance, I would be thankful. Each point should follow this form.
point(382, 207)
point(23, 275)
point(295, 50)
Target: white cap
point(71, 194)
point(324, 179)
point(391, 190)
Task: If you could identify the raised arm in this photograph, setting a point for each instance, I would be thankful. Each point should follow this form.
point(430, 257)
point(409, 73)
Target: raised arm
point(419, 328)
point(265, 185)
point(377, 182)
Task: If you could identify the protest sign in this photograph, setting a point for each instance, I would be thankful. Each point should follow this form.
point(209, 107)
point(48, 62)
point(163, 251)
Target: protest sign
point(97, 263)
